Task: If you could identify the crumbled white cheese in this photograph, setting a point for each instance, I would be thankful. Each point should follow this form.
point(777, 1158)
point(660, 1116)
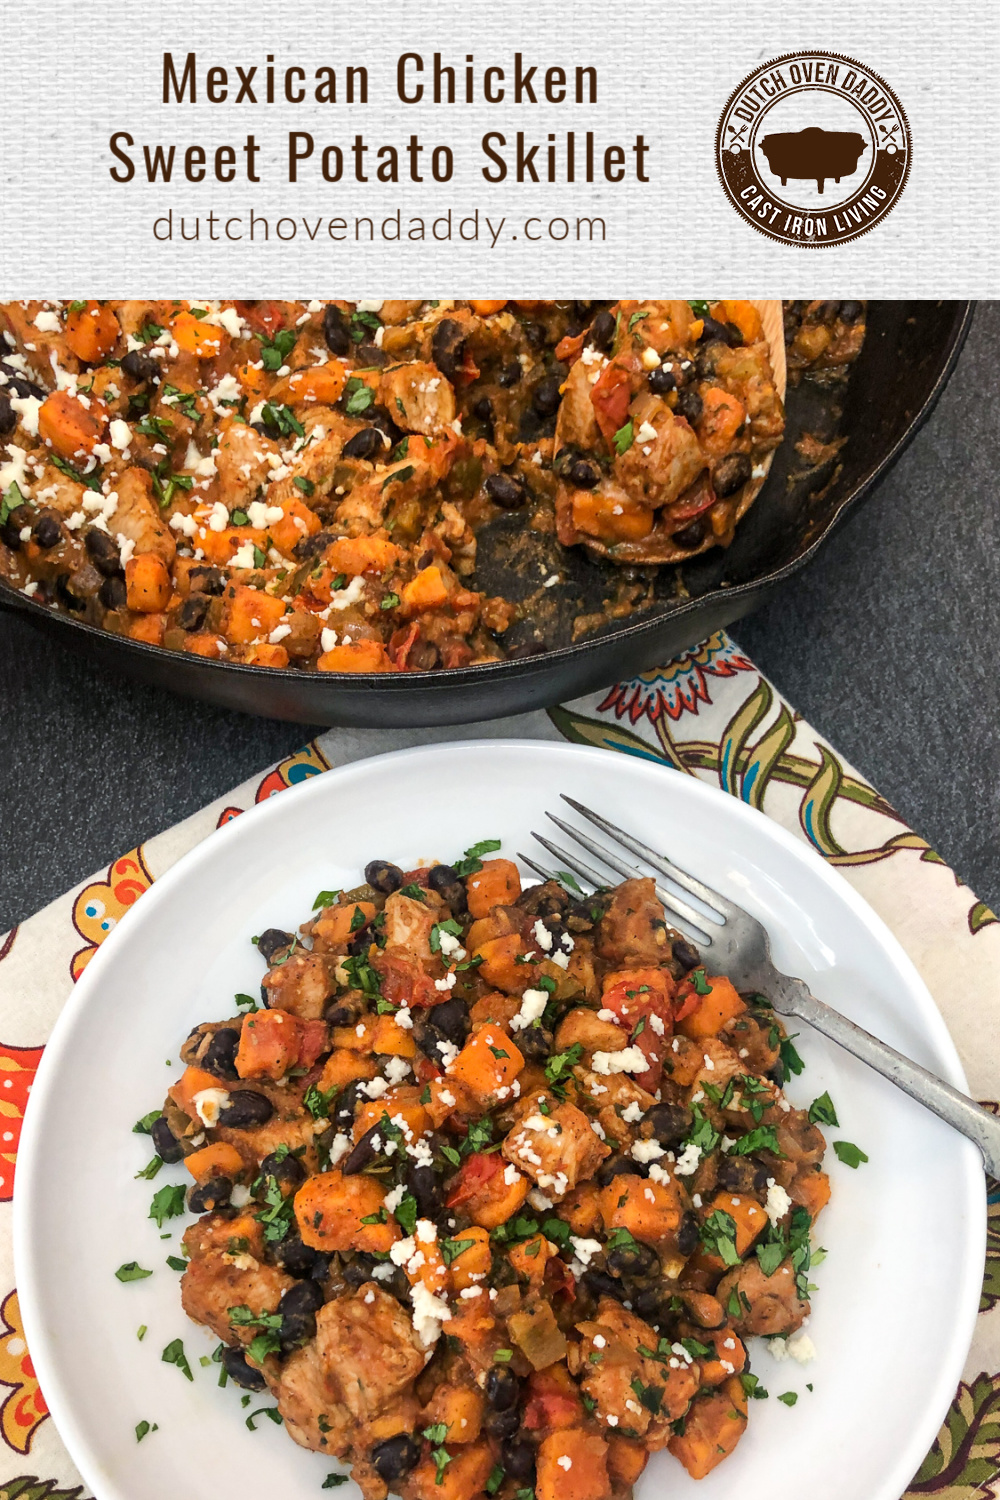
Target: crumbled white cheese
point(344, 598)
point(209, 1103)
point(633, 1113)
point(533, 1003)
point(261, 516)
point(448, 942)
point(565, 1462)
point(278, 633)
point(448, 982)
point(219, 518)
point(48, 322)
point(647, 1151)
point(429, 1312)
point(687, 1162)
point(396, 1069)
point(650, 358)
point(584, 1251)
point(631, 1060)
point(243, 557)
point(543, 936)
point(801, 1347)
point(646, 433)
point(777, 1202)
point(27, 408)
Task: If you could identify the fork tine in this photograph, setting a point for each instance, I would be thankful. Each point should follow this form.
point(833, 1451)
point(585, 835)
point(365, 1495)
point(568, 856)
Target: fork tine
point(576, 865)
point(660, 862)
point(672, 904)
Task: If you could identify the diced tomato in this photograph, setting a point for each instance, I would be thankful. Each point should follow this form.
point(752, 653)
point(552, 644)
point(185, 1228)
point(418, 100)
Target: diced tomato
point(477, 1171)
point(652, 1046)
point(262, 317)
point(550, 1403)
point(402, 642)
point(314, 1039)
point(404, 981)
point(699, 497)
point(610, 397)
point(569, 349)
point(634, 993)
point(559, 1277)
point(425, 1070)
point(685, 1000)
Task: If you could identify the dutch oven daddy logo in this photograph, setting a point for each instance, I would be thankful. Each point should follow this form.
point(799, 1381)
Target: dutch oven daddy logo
point(813, 149)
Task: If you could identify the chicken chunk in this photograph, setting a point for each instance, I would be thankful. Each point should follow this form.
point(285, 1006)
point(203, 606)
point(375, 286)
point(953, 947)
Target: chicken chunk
point(408, 923)
point(313, 1415)
point(217, 1281)
point(768, 1304)
point(633, 930)
point(419, 398)
point(242, 463)
point(369, 1350)
point(664, 458)
point(137, 517)
point(557, 1147)
point(302, 985)
point(615, 1372)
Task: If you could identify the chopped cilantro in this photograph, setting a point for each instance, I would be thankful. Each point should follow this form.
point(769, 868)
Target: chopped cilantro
point(274, 352)
point(325, 898)
point(174, 1354)
point(168, 1203)
point(308, 488)
point(718, 1235)
point(145, 1125)
point(132, 1271)
point(472, 863)
point(790, 1058)
point(142, 1428)
point(849, 1154)
point(149, 1171)
point(359, 397)
point(789, 1397)
point(822, 1112)
point(624, 438)
point(271, 1412)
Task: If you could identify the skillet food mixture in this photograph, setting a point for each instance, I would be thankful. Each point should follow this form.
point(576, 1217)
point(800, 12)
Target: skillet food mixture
point(494, 1189)
point(300, 484)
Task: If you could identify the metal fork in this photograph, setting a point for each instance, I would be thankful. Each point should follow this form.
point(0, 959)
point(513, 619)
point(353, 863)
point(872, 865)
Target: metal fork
point(734, 943)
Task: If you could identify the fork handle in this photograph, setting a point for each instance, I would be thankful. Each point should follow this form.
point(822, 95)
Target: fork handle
point(956, 1109)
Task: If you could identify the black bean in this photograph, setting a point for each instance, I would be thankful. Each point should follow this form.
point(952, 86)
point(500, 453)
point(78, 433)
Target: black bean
point(826, 312)
point(687, 1235)
point(602, 329)
point(736, 338)
point(364, 1153)
point(220, 1054)
point(546, 396)
point(422, 1182)
point(140, 366)
point(692, 535)
point(344, 1012)
point(20, 384)
point(507, 491)
point(448, 347)
point(662, 381)
point(297, 1258)
point(15, 523)
point(708, 359)
point(207, 580)
point(510, 375)
point(192, 612)
point(483, 409)
point(690, 405)
point(368, 443)
point(113, 593)
point(345, 1104)
point(240, 1372)
point(583, 474)
point(502, 1388)
point(370, 356)
point(526, 649)
point(517, 1455)
point(502, 1424)
point(600, 1284)
point(8, 416)
point(852, 312)
point(686, 954)
point(211, 1195)
point(666, 1123)
point(442, 878)
point(246, 1109)
point(336, 330)
point(714, 331)
point(732, 473)
point(298, 1309)
point(68, 596)
point(287, 1170)
point(382, 419)
point(451, 1020)
point(618, 1166)
point(535, 1042)
point(359, 1270)
point(743, 1174)
point(632, 1260)
point(312, 546)
point(103, 551)
point(47, 530)
point(166, 1145)
point(272, 941)
point(383, 876)
point(776, 1075)
point(393, 1458)
point(535, 335)
point(648, 1303)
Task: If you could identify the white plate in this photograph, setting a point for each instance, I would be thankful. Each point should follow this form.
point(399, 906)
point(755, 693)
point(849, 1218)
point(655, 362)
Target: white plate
point(898, 1294)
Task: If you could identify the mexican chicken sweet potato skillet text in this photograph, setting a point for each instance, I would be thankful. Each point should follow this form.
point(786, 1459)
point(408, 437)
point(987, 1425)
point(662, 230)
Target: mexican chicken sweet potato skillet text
point(301, 484)
point(494, 1187)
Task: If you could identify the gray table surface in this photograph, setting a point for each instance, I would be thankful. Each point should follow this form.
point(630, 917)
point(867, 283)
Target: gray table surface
point(887, 644)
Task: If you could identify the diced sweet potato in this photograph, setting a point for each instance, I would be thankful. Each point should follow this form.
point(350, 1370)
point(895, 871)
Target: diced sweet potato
point(746, 1213)
point(463, 1478)
point(460, 1408)
point(473, 1261)
point(343, 1067)
point(269, 1045)
point(712, 1428)
point(428, 590)
point(496, 884)
point(250, 614)
point(216, 1160)
point(69, 427)
point(219, 547)
point(626, 1460)
point(320, 385)
point(393, 1040)
point(191, 1082)
point(529, 1258)
point(339, 923)
point(720, 422)
point(612, 517)
point(263, 654)
point(650, 1211)
point(811, 1191)
point(500, 966)
point(583, 1477)
point(362, 554)
point(148, 628)
point(91, 332)
point(331, 1211)
point(744, 315)
point(483, 1192)
point(487, 1063)
point(711, 1011)
point(402, 1106)
point(297, 522)
point(147, 583)
point(197, 337)
point(483, 309)
point(358, 656)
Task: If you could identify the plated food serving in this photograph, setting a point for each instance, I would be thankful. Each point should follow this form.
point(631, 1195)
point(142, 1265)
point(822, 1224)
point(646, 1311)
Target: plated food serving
point(462, 1261)
point(302, 484)
point(493, 1190)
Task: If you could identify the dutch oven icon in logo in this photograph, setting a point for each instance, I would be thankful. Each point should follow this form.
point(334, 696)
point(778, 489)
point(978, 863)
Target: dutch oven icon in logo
point(813, 153)
point(813, 149)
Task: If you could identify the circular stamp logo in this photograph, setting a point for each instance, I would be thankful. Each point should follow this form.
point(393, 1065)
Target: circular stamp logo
point(813, 149)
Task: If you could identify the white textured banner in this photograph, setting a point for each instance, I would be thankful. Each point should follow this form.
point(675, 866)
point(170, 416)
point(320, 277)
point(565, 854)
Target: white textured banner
point(315, 160)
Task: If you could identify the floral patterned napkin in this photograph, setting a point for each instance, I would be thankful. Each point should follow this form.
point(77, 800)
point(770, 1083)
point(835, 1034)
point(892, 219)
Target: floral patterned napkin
point(708, 714)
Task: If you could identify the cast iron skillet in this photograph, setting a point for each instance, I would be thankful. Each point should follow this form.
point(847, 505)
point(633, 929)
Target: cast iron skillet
point(909, 353)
